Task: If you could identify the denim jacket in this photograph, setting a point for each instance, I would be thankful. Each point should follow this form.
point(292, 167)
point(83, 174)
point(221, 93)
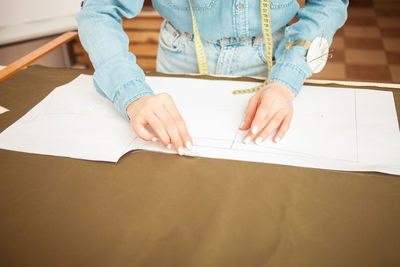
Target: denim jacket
point(121, 80)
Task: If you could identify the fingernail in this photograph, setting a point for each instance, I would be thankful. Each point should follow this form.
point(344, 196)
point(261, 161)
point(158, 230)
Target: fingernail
point(258, 140)
point(247, 140)
point(169, 146)
point(241, 125)
point(189, 145)
point(277, 140)
point(254, 130)
point(154, 139)
point(181, 151)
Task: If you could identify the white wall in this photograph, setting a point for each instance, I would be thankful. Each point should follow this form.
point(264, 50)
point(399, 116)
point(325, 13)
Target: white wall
point(13, 12)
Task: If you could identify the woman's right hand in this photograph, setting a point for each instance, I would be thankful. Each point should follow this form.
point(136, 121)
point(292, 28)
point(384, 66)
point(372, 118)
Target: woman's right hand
point(159, 111)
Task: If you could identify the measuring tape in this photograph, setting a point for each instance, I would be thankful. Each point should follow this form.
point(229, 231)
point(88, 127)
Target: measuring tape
point(267, 35)
point(201, 55)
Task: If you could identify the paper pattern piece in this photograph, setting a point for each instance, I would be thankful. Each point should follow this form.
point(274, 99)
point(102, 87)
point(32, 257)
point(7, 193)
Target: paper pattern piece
point(3, 110)
point(332, 128)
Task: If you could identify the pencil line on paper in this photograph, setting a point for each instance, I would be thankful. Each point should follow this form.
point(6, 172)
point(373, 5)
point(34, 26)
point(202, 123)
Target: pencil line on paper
point(277, 152)
point(237, 132)
point(240, 142)
point(270, 150)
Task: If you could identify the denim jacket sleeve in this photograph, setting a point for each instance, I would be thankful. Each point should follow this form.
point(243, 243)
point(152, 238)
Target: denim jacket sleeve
point(319, 18)
point(117, 76)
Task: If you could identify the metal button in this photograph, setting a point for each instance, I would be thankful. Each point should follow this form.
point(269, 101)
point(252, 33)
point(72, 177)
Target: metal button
point(239, 6)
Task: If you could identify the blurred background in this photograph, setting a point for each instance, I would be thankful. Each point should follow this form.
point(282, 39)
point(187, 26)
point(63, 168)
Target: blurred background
point(367, 48)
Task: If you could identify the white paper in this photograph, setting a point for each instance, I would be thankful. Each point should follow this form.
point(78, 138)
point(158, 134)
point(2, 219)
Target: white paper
point(3, 110)
point(332, 128)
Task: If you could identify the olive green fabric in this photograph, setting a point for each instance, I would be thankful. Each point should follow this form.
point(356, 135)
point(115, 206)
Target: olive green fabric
point(153, 209)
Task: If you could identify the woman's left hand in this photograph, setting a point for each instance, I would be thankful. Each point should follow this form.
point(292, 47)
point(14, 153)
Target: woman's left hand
point(268, 110)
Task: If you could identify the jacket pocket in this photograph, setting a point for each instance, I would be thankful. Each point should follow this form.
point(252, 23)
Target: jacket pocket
point(184, 4)
point(170, 38)
point(276, 4)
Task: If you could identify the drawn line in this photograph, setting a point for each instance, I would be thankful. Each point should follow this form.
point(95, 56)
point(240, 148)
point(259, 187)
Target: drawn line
point(277, 153)
point(237, 132)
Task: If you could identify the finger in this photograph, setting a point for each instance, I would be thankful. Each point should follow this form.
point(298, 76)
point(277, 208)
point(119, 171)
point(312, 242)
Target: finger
point(158, 128)
point(283, 128)
point(140, 129)
point(184, 133)
point(263, 115)
point(257, 122)
point(172, 129)
point(251, 111)
point(272, 125)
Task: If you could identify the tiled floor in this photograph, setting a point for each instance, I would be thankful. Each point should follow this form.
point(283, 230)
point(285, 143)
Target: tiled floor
point(367, 48)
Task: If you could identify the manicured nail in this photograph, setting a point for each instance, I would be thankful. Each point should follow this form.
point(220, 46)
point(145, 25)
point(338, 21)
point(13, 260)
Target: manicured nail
point(254, 130)
point(247, 140)
point(154, 139)
point(181, 151)
point(189, 145)
point(169, 146)
point(277, 140)
point(258, 140)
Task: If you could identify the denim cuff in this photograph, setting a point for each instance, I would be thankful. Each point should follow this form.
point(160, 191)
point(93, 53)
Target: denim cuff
point(121, 81)
point(289, 74)
point(129, 92)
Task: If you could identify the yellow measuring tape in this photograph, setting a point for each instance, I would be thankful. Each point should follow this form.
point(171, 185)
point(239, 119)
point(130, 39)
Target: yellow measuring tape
point(201, 55)
point(267, 35)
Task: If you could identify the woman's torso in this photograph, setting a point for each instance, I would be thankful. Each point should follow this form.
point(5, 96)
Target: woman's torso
point(214, 23)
